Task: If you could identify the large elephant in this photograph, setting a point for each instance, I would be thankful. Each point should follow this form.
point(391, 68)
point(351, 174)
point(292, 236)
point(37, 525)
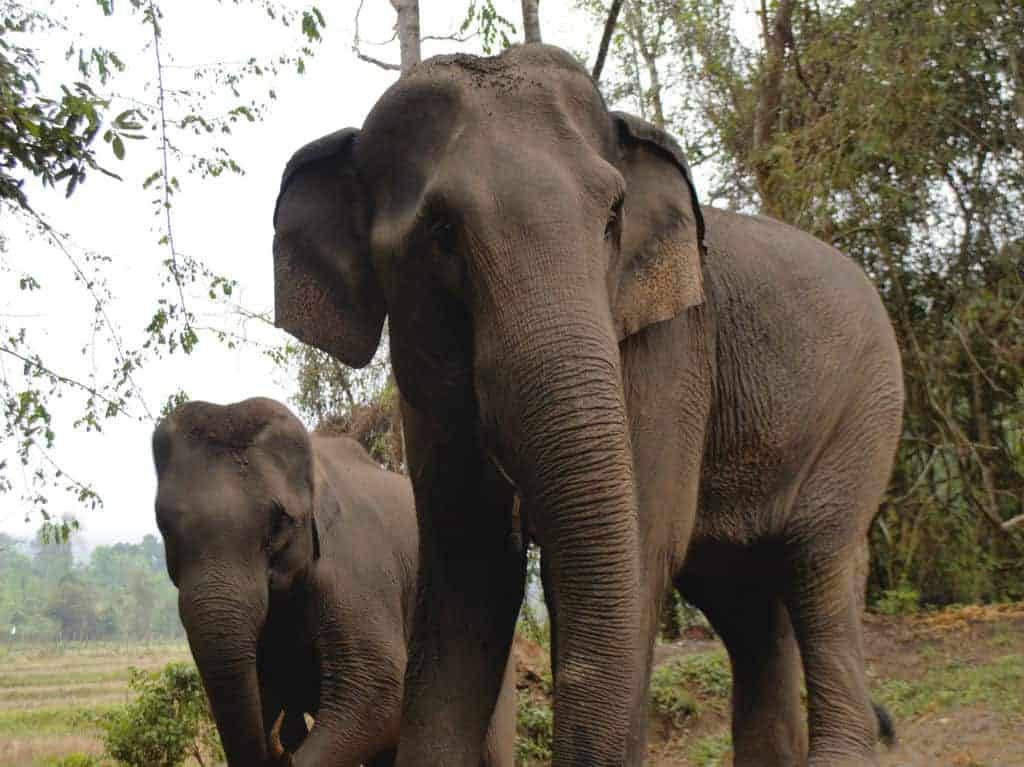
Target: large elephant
point(678, 397)
point(295, 558)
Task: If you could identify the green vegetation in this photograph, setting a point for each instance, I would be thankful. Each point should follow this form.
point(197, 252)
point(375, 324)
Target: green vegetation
point(921, 184)
point(899, 601)
point(998, 684)
point(122, 592)
point(707, 672)
point(534, 730)
point(168, 721)
point(709, 751)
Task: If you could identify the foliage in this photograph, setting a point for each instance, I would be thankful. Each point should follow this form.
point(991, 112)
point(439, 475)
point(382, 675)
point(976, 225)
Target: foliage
point(669, 696)
point(899, 601)
point(494, 29)
point(49, 135)
point(61, 122)
point(533, 619)
point(710, 750)
point(122, 592)
point(534, 730)
point(706, 672)
point(920, 182)
point(167, 723)
point(360, 403)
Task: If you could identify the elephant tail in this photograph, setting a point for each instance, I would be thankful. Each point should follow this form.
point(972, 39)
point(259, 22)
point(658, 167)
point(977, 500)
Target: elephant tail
point(886, 728)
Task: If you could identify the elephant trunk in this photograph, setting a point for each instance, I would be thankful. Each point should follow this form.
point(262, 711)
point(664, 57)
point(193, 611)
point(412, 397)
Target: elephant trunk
point(223, 627)
point(563, 431)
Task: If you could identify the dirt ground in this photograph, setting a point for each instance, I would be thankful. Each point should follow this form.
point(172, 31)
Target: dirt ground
point(953, 681)
point(983, 729)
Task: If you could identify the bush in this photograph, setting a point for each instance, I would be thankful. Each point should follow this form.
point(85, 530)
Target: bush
point(669, 696)
point(900, 601)
point(710, 751)
point(168, 722)
point(534, 733)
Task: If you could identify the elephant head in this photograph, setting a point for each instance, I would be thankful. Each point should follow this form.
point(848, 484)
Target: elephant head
point(513, 231)
point(235, 506)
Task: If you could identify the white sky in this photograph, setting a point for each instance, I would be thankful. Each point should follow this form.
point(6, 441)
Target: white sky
point(225, 222)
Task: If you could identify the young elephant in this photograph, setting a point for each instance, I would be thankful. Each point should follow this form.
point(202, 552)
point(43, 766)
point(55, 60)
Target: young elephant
point(295, 558)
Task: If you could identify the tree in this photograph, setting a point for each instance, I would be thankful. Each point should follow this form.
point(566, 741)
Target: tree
point(58, 129)
point(531, 21)
point(921, 184)
point(73, 606)
point(408, 12)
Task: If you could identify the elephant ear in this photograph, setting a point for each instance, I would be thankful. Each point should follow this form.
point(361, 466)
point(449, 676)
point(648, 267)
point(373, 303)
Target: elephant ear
point(662, 229)
point(325, 291)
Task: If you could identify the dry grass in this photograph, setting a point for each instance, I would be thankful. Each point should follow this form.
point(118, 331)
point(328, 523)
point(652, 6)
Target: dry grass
point(50, 695)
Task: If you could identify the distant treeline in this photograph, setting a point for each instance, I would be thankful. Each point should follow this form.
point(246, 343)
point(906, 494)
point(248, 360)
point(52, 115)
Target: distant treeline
point(123, 592)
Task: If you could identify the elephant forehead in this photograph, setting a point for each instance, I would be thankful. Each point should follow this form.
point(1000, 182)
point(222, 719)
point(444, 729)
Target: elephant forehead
point(447, 111)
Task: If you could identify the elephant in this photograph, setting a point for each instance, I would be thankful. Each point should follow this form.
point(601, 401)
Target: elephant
point(665, 395)
point(295, 558)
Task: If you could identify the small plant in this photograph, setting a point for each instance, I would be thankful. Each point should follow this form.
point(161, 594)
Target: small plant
point(669, 696)
point(167, 723)
point(903, 600)
point(707, 671)
point(533, 730)
point(710, 751)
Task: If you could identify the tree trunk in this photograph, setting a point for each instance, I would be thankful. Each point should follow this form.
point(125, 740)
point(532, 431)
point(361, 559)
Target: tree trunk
point(778, 35)
point(408, 12)
point(648, 48)
point(606, 39)
point(531, 21)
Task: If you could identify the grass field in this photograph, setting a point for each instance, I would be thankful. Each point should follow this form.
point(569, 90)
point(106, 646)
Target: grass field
point(49, 695)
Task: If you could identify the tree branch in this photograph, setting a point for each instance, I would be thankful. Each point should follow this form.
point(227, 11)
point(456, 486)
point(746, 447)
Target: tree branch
point(364, 57)
point(606, 39)
point(164, 147)
point(37, 364)
point(778, 34)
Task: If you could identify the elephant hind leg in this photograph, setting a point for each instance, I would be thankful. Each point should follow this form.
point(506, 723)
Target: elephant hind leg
point(842, 722)
point(824, 549)
point(768, 726)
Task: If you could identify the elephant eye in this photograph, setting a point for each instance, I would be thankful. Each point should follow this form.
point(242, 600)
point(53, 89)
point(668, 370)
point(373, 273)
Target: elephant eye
point(442, 236)
point(614, 217)
point(279, 520)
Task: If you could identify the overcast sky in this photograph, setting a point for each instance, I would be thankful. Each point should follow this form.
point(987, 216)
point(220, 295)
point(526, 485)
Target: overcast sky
point(226, 222)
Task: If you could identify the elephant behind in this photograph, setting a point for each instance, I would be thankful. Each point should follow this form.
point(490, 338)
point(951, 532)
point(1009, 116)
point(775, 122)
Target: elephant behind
point(295, 558)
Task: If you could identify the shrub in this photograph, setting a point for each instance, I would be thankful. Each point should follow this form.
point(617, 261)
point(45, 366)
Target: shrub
point(168, 722)
point(669, 696)
point(533, 730)
point(710, 751)
point(899, 601)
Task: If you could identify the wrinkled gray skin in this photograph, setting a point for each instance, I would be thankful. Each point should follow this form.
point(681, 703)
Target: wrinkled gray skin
point(721, 419)
point(295, 559)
